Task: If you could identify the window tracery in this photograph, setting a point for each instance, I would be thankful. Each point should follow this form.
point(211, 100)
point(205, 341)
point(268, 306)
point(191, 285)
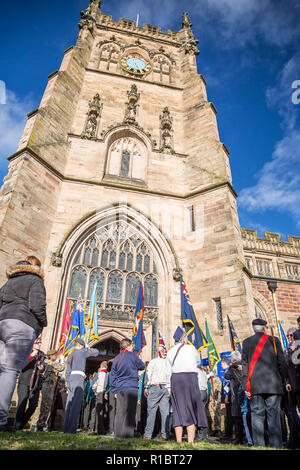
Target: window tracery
point(117, 258)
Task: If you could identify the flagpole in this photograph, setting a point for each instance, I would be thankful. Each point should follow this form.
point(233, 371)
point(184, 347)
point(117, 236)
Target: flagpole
point(66, 340)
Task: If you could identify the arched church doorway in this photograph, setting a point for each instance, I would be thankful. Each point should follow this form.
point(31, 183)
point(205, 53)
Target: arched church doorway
point(108, 348)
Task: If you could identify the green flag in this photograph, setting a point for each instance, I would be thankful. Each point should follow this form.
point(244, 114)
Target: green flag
point(213, 355)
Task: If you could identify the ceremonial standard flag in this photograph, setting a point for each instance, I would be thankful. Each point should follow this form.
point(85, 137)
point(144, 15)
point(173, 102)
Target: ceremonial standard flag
point(284, 340)
point(138, 337)
point(92, 321)
point(212, 352)
point(77, 328)
point(188, 316)
point(235, 344)
point(65, 328)
point(162, 344)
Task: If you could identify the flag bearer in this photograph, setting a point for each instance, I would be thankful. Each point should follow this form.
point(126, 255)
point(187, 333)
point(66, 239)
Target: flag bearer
point(75, 375)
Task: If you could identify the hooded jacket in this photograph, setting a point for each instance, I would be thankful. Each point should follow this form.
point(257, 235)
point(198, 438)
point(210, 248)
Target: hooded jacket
point(23, 296)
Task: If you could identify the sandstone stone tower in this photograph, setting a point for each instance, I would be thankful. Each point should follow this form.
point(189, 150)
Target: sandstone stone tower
point(120, 176)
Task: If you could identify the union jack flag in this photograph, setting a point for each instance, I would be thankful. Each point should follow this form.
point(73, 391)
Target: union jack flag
point(162, 344)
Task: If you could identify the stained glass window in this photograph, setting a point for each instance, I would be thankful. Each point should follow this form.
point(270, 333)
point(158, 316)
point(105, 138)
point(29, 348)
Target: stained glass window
point(151, 291)
point(132, 289)
point(122, 261)
point(87, 256)
point(129, 262)
point(95, 257)
point(114, 289)
point(96, 276)
point(139, 263)
point(104, 259)
point(78, 282)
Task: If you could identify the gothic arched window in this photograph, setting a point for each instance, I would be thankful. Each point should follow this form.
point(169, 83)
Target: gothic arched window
point(116, 258)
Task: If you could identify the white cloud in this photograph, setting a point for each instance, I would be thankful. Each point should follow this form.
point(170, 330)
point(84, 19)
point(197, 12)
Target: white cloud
point(232, 23)
point(13, 116)
point(278, 185)
point(278, 182)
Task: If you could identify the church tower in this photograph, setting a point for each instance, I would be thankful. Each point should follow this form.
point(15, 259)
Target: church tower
point(120, 176)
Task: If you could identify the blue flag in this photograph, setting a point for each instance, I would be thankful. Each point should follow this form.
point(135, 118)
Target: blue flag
point(188, 316)
point(284, 340)
point(138, 337)
point(235, 344)
point(92, 322)
point(77, 328)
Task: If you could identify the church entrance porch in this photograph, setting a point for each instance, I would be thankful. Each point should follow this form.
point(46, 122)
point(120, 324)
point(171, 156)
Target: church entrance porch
point(109, 349)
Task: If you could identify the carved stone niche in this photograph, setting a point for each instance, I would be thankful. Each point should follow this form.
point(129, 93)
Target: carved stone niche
point(131, 105)
point(166, 131)
point(94, 115)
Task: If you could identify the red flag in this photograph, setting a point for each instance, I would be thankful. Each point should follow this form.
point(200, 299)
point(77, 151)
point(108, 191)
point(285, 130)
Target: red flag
point(65, 328)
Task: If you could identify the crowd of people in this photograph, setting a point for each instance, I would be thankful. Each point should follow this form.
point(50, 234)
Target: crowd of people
point(256, 403)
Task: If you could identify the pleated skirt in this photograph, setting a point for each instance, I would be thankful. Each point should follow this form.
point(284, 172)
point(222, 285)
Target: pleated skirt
point(186, 400)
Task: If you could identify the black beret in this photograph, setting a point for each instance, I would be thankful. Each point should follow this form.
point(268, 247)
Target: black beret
point(259, 321)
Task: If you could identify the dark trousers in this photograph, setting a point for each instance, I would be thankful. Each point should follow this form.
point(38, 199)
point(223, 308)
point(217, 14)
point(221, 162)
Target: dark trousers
point(100, 409)
point(74, 402)
point(141, 415)
point(125, 414)
point(112, 403)
point(27, 404)
point(228, 421)
point(269, 405)
point(89, 416)
point(238, 429)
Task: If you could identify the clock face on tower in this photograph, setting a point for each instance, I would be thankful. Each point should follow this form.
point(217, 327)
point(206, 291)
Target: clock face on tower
point(135, 65)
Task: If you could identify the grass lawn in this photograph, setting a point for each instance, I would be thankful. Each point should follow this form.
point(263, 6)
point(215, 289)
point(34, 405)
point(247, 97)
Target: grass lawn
point(27, 440)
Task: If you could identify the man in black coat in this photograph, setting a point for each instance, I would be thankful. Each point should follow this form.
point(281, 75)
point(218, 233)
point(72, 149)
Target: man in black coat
point(29, 385)
point(264, 371)
point(22, 319)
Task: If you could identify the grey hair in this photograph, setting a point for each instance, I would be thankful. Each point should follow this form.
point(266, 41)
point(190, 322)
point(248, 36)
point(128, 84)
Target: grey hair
point(291, 330)
point(235, 356)
point(258, 328)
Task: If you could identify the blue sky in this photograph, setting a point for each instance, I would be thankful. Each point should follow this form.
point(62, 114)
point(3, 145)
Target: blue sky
point(249, 56)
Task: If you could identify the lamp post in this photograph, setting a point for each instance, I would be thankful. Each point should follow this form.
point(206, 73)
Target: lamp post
point(272, 286)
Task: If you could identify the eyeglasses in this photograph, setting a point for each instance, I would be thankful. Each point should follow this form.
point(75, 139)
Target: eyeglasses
point(290, 336)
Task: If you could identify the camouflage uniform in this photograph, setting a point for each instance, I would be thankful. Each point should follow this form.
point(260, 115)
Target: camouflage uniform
point(214, 407)
point(52, 370)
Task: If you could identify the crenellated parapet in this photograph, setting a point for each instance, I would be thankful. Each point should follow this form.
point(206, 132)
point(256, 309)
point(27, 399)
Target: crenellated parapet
point(272, 243)
point(271, 257)
point(131, 25)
